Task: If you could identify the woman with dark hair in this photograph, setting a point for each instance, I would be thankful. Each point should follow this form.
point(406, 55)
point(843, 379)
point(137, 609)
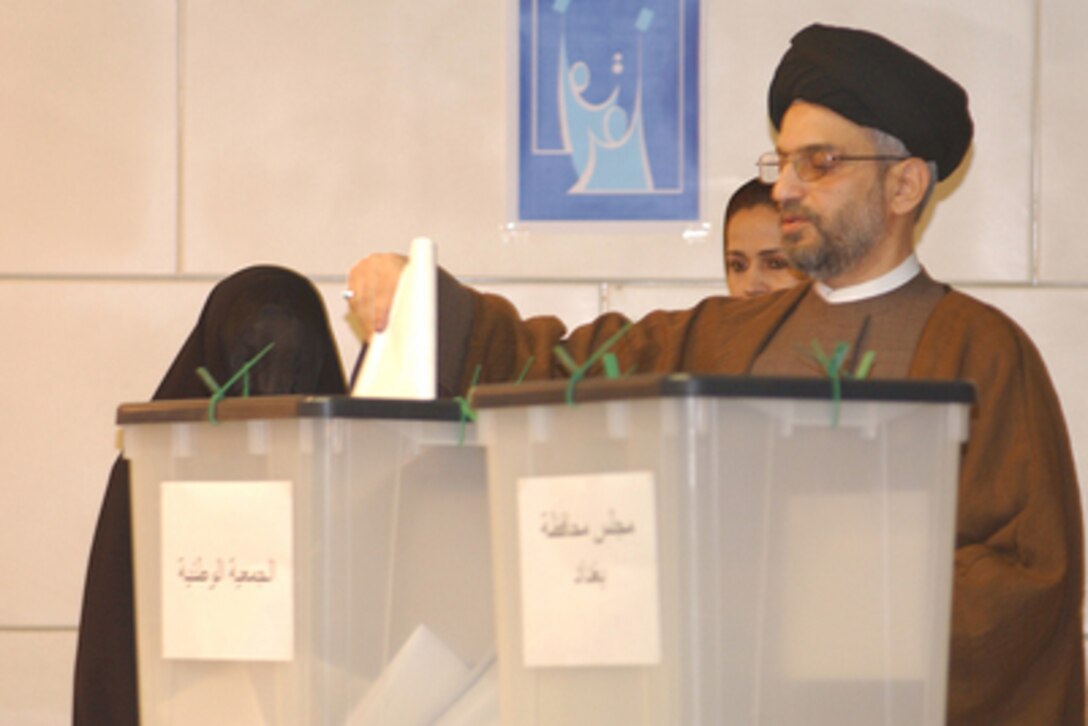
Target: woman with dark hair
point(243, 314)
point(755, 263)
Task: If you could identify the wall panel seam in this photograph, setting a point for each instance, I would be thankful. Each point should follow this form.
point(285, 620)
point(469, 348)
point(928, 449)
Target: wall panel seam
point(1034, 249)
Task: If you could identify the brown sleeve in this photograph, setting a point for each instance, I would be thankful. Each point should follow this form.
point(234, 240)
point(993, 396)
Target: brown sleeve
point(455, 316)
point(719, 335)
point(503, 345)
point(1017, 642)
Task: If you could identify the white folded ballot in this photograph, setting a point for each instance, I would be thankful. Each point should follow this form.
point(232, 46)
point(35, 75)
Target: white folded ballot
point(402, 360)
point(426, 684)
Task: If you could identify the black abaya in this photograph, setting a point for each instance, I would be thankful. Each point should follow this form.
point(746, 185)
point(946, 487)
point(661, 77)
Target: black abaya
point(243, 314)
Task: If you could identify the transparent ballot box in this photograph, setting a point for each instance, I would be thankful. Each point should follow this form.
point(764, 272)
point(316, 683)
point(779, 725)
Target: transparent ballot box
point(307, 560)
point(721, 550)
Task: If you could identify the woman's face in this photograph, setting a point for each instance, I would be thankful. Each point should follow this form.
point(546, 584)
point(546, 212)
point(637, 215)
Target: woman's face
point(754, 261)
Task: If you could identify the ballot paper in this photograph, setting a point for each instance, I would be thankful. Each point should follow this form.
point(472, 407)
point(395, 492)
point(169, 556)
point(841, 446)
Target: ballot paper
point(479, 704)
point(416, 687)
point(402, 360)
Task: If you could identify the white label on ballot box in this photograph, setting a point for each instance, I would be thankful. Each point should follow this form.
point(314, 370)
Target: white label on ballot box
point(227, 570)
point(589, 569)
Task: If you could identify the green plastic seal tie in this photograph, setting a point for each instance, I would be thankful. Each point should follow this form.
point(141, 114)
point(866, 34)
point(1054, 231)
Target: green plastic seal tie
point(578, 372)
point(833, 368)
point(220, 392)
point(525, 370)
point(206, 377)
point(865, 365)
point(611, 365)
point(467, 412)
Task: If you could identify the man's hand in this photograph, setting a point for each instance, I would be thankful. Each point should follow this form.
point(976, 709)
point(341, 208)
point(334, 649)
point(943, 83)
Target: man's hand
point(372, 282)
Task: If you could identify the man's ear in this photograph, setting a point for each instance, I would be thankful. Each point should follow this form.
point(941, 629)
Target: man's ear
point(906, 185)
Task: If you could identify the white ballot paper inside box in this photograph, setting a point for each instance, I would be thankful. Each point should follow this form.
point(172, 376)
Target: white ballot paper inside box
point(426, 683)
point(402, 360)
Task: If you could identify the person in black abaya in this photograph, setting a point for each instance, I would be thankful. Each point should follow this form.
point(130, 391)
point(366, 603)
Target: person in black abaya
point(243, 314)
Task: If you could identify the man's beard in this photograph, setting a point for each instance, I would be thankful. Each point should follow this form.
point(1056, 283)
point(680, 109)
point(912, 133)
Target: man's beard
point(840, 242)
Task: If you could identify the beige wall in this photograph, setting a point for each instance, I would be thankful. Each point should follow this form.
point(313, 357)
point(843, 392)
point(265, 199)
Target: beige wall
point(148, 148)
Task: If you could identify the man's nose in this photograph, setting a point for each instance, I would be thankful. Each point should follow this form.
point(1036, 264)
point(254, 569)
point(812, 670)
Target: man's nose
point(788, 186)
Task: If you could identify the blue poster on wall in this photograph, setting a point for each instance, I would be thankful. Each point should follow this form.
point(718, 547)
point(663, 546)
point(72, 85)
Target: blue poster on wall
point(608, 110)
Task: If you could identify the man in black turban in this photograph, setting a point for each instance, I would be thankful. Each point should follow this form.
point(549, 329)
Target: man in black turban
point(889, 111)
point(866, 129)
point(872, 82)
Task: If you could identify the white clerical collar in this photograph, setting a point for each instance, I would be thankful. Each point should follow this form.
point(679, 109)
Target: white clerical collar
point(891, 280)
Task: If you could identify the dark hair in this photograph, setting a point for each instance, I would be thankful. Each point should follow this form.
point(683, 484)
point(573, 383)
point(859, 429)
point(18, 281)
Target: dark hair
point(753, 193)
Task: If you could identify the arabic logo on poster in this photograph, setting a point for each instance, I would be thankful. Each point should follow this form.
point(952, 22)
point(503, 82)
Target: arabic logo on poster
point(608, 110)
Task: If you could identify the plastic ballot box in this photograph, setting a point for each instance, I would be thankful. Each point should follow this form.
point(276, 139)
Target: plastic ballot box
point(307, 560)
point(722, 550)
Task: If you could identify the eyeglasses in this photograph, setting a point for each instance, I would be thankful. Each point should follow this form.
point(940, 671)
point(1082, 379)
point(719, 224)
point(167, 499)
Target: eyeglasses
point(809, 164)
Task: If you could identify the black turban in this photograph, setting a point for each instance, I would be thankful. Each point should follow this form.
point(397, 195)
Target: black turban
point(876, 83)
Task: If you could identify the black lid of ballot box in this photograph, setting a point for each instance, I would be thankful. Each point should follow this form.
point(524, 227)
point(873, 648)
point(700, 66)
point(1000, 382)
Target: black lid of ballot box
point(274, 407)
point(712, 386)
